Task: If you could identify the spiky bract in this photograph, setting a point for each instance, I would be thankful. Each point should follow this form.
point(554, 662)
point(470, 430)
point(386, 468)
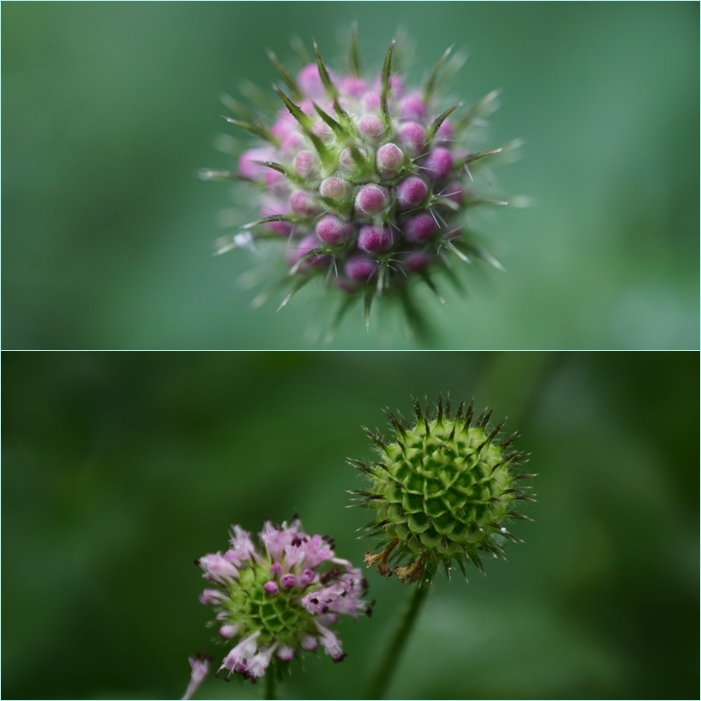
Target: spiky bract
point(365, 182)
point(443, 489)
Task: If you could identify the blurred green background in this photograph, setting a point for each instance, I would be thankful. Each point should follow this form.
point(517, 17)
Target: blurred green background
point(119, 469)
point(109, 109)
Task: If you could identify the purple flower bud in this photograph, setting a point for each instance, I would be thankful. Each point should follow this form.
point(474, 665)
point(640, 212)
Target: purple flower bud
point(371, 101)
point(291, 142)
point(371, 127)
point(288, 580)
point(306, 577)
point(284, 124)
point(354, 87)
point(416, 261)
point(228, 631)
point(336, 188)
point(373, 239)
point(304, 204)
point(371, 199)
point(275, 569)
point(360, 268)
point(248, 167)
point(270, 206)
point(413, 107)
point(322, 130)
point(309, 642)
point(285, 653)
point(412, 137)
point(210, 596)
point(302, 248)
point(333, 230)
point(310, 83)
point(419, 228)
point(411, 192)
point(270, 588)
point(306, 164)
point(389, 160)
point(439, 164)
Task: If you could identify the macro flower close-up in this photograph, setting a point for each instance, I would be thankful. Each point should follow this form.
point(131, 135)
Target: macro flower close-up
point(272, 606)
point(443, 489)
point(364, 181)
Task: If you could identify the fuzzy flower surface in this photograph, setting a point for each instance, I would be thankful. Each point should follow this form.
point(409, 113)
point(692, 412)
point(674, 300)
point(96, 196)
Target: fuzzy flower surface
point(274, 603)
point(443, 491)
point(364, 181)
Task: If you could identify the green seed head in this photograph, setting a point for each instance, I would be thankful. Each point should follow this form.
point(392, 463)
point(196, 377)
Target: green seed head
point(442, 491)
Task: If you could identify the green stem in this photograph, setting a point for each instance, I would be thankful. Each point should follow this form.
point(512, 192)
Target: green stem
point(385, 670)
point(270, 682)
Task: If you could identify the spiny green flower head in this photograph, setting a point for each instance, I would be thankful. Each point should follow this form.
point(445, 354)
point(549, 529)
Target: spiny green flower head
point(364, 182)
point(443, 491)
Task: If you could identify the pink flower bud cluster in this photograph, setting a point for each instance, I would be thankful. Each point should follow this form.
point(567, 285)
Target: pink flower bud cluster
point(365, 179)
point(281, 601)
point(357, 212)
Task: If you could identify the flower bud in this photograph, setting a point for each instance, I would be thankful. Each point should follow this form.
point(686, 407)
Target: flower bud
point(249, 163)
point(414, 108)
point(336, 188)
point(389, 160)
point(371, 200)
point(419, 228)
point(307, 165)
point(412, 137)
point(361, 268)
point(411, 192)
point(371, 127)
point(375, 239)
point(333, 230)
point(438, 164)
point(304, 204)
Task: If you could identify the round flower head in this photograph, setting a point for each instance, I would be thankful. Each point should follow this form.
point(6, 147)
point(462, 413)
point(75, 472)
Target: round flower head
point(442, 490)
point(275, 603)
point(366, 153)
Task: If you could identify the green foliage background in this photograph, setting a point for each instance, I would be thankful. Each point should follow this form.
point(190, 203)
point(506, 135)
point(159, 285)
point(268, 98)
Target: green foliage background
point(119, 469)
point(110, 108)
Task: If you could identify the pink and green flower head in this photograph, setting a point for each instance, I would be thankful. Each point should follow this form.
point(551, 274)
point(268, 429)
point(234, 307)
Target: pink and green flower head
point(365, 169)
point(274, 603)
point(443, 491)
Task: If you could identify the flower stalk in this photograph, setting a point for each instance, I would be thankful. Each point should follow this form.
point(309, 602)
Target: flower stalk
point(387, 666)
